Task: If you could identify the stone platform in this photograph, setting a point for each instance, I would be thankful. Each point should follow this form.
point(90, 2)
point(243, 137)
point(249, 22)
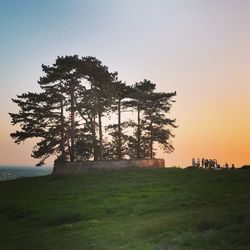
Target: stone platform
point(64, 168)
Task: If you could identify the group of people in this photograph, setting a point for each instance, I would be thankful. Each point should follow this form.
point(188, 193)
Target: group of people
point(209, 164)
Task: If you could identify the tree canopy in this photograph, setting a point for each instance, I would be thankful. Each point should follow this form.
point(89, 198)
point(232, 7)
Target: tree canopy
point(76, 95)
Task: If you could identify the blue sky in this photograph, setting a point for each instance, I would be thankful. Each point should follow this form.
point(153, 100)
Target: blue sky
point(200, 48)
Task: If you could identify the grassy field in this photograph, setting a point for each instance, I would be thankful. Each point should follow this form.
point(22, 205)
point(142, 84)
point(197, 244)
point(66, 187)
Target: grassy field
point(128, 209)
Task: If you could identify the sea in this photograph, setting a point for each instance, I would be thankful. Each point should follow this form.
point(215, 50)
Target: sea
point(17, 172)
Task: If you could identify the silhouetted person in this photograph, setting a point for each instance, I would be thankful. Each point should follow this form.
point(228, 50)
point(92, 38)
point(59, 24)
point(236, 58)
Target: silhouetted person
point(193, 162)
point(206, 163)
point(198, 162)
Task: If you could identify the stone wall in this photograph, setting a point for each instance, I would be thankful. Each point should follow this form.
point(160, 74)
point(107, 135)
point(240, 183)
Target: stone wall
point(64, 168)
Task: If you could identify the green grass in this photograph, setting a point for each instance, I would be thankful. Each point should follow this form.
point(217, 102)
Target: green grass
point(128, 209)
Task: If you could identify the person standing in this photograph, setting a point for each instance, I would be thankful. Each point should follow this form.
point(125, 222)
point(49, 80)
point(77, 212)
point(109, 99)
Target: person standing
point(193, 162)
point(198, 162)
point(202, 162)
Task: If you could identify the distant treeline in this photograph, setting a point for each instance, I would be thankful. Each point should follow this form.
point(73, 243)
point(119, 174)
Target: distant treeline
point(67, 114)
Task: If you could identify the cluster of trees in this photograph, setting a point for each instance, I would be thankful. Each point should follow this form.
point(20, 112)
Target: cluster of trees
point(76, 95)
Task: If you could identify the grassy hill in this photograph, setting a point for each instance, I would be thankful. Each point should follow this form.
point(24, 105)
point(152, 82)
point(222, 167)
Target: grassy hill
point(128, 209)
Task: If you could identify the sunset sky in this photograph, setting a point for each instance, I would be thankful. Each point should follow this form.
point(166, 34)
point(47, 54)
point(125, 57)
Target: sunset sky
point(199, 48)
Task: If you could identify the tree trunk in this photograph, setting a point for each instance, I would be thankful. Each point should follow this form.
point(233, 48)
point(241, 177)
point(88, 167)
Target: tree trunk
point(72, 119)
point(138, 133)
point(62, 141)
point(100, 136)
point(151, 140)
point(95, 148)
point(119, 148)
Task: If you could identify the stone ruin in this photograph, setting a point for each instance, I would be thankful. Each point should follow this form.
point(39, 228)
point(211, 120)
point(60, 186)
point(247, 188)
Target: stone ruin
point(64, 168)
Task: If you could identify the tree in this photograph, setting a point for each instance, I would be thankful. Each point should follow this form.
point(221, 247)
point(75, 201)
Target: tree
point(64, 79)
point(152, 123)
point(158, 125)
point(138, 95)
point(118, 146)
point(76, 93)
point(38, 117)
point(97, 99)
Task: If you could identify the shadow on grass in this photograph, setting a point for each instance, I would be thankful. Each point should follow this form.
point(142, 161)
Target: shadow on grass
point(66, 217)
point(14, 211)
point(206, 225)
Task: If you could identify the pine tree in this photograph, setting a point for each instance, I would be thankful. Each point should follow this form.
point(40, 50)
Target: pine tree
point(64, 78)
point(118, 146)
point(152, 124)
point(158, 125)
point(38, 117)
point(138, 95)
point(100, 97)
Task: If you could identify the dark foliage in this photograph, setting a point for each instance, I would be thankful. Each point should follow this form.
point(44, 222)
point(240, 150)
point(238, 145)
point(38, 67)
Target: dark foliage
point(67, 115)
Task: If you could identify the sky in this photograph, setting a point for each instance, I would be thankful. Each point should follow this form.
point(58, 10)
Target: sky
point(198, 48)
